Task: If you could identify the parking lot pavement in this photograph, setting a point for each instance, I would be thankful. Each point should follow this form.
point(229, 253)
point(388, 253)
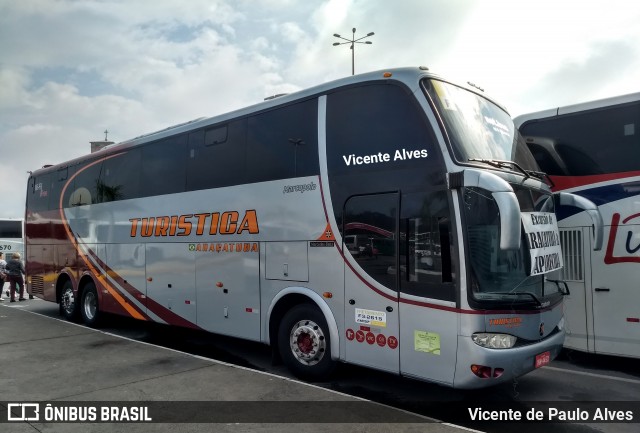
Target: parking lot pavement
point(77, 379)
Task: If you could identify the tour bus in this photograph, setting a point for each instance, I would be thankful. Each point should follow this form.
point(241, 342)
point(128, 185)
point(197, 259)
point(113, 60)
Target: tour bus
point(11, 239)
point(593, 150)
point(236, 225)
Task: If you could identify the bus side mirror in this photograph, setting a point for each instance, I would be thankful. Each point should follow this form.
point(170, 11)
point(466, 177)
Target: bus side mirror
point(510, 225)
point(568, 199)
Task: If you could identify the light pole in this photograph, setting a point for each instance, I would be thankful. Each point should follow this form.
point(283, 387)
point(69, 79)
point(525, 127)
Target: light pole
point(352, 42)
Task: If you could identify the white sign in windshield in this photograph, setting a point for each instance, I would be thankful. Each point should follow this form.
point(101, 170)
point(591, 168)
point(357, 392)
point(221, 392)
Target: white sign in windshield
point(543, 238)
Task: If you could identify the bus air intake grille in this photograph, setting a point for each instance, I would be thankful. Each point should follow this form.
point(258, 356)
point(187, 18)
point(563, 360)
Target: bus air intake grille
point(37, 285)
point(571, 242)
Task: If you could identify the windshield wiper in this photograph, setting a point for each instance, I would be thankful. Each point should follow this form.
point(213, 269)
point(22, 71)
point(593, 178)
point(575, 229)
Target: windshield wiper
point(500, 163)
point(534, 297)
point(558, 283)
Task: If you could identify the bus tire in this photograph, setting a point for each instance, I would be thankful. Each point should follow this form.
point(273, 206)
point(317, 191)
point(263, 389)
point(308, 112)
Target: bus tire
point(68, 305)
point(304, 343)
point(89, 307)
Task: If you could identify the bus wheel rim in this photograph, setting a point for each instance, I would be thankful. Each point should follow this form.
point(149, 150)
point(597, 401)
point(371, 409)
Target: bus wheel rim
point(90, 305)
point(307, 342)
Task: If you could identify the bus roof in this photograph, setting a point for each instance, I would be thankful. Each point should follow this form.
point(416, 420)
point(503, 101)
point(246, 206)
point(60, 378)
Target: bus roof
point(405, 75)
point(576, 108)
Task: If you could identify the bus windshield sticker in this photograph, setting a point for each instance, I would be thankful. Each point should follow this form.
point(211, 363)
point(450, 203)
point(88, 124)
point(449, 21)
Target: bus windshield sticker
point(543, 239)
point(428, 342)
point(370, 317)
point(443, 94)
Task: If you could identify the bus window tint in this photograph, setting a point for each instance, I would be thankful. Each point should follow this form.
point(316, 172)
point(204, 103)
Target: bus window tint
point(11, 229)
point(83, 189)
point(375, 121)
point(217, 156)
point(600, 141)
point(426, 267)
point(164, 166)
point(370, 235)
point(283, 143)
point(121, 177)
point(39, 193)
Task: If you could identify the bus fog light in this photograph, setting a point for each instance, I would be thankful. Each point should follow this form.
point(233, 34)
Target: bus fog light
point(494, 341)
point(482, 371)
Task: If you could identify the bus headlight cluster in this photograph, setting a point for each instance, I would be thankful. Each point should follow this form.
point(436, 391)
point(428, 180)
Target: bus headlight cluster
point(494, 341)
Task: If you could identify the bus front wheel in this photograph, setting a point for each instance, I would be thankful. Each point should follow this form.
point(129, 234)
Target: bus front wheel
point(89, 306)
point(304, 343)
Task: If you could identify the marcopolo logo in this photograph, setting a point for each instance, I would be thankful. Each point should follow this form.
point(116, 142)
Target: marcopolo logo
point(288, 189)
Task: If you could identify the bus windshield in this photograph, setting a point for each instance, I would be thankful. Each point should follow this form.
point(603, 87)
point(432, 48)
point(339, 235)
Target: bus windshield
point(477, 128)
point(502, 276)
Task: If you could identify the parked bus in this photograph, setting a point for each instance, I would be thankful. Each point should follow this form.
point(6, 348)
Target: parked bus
point(237, 225)
point(593, 150)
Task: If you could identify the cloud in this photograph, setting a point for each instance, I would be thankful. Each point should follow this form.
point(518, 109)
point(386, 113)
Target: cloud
point(70, 69)
point(601, 74)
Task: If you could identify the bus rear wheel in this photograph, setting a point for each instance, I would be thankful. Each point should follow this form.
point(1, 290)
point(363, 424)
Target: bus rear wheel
point(68, 304)
point(89, 306)
point(304, 343)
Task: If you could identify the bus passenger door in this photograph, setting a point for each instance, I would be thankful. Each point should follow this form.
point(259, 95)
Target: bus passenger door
point(614, 292)
point(370, 238)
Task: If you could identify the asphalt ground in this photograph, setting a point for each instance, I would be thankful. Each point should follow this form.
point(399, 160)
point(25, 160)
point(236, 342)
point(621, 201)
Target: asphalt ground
point(56, 376)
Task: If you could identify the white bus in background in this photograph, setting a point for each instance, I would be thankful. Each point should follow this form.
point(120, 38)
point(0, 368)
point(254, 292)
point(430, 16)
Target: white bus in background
point(11, 237)
point(312, 222)
point(593, 150)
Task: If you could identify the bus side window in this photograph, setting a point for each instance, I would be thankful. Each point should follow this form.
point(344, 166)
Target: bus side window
point(84, 188)
point(164, 166)
point(217, 156)
point(121, 177)
point(283, 142)
point(39, 193)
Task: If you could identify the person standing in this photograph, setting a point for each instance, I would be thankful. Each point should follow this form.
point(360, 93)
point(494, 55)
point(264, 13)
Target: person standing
point(15, 272)
point(3, 275)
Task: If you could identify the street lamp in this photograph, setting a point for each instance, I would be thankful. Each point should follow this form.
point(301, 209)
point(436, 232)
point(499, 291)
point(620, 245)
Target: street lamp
point(352, 42)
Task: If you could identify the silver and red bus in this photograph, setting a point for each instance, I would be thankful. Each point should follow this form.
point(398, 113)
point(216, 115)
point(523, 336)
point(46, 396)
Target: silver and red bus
point(592, 150)
point(393, 220)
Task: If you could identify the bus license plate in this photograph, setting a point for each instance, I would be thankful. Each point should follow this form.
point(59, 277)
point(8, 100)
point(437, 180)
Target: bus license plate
point(543, 359)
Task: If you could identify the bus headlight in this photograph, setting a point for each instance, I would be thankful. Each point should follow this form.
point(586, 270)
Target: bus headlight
point(494, 341)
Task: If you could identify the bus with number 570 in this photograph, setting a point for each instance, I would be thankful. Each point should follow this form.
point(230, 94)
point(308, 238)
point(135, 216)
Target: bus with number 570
point(244, 224)
point(11, 238)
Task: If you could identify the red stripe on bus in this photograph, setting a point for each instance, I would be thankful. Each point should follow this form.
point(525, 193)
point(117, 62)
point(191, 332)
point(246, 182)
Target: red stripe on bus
point(567, 182)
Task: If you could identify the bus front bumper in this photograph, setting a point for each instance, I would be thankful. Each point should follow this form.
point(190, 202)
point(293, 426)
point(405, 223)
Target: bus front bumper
point(495, 366)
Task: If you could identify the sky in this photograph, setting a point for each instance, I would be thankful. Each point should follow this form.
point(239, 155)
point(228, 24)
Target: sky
point(71, 69)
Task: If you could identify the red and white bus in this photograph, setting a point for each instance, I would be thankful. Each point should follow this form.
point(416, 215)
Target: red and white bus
point(238, 225)
point(593, 150)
